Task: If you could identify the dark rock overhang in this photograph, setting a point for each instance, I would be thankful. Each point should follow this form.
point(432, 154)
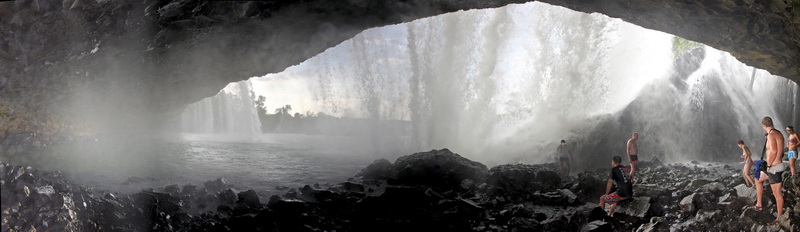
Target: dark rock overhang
point(167, 54)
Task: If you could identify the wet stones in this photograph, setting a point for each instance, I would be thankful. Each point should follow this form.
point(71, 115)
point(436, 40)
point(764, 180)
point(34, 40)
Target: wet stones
point(519, 181)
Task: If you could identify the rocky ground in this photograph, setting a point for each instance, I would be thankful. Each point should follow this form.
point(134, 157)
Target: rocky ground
point(429, 191)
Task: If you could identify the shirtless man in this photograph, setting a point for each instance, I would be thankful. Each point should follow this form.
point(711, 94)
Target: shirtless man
point(775, 167)
point(793, 144)
point(564, 158)
point(633, 154)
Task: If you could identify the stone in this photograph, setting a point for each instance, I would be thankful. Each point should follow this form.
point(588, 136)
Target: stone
point(378, 169)
point(216, 185)
point(597, 226)
point(227, 196)
point(518, 181)
point(172, 189)
point(249, 198)
point(707, 216)
point(714, 187)
point(633, 210)
point(189, 189)
point(441, 169)
point(746, 192)
point(352, 187)
point(466, 184)
point(570, 197)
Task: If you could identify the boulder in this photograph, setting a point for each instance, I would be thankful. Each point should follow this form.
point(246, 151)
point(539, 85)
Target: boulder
point(568, 196)
point(695, 201)
point(708, 216)
point(172, 189)
point(227, 196)
point(746, 192)
point(633, 210)
point(378, 169)
point(440, 169)
point(518, 181)
point(158, 202)
point(189, 189)
point(249, 198)
point(597, 226)
point(216, 185)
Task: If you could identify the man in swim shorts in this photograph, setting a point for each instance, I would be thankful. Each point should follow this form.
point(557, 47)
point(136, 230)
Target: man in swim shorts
point(775, 168)
point(619, 176)
point(633, 154)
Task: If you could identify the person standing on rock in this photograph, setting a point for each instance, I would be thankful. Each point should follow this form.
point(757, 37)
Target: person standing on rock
point(775, 167)
point(619, 176)
point(793, 143)
point(564, 156)
point(633, 154)
point(748, 163)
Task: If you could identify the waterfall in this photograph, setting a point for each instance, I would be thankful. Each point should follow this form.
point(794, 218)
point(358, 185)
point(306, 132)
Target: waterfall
point(231, 114)
point(507, 84)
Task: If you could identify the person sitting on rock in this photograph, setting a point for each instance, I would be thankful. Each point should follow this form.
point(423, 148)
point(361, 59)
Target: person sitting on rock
point(748, 163)
point(564, 156)
point(621, 176)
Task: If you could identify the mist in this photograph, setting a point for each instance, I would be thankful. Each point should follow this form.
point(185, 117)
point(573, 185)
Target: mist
point(505, 85)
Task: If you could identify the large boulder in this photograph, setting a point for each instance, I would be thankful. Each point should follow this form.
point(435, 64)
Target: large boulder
point(440, 169)
point(633, 210)
point(519, 181)
point(379, 169)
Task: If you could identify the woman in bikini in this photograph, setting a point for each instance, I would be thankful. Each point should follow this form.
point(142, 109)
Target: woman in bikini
point(793, 144)
point(748, 163)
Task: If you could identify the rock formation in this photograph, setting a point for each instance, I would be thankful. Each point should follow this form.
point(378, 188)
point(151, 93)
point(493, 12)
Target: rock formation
point(674, 197)
point(75, 67)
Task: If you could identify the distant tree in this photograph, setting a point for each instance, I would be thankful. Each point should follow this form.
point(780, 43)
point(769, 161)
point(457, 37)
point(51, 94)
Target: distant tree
point(298, 115)
point(284, 110)
point(260, 102)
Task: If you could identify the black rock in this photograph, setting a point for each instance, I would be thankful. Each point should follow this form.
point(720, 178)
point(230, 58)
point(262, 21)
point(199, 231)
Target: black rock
point(352, 187)
point(286, 206)
point(518, 181)
point(249, 198)
point(597, 226)
point(378, 169)
point(227, 196)
point(189, 189)
point(172, 189)
point(216, 185)
point(440, 169)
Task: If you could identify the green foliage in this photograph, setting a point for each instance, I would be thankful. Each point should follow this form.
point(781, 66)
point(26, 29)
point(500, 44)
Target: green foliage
point(681, 45)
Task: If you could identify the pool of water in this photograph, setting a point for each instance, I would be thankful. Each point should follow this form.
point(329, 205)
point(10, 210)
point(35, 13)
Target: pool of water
point(262, 164)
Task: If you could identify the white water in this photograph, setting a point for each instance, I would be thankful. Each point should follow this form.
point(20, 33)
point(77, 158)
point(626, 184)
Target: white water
point(505, 85)
point(230, 114)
